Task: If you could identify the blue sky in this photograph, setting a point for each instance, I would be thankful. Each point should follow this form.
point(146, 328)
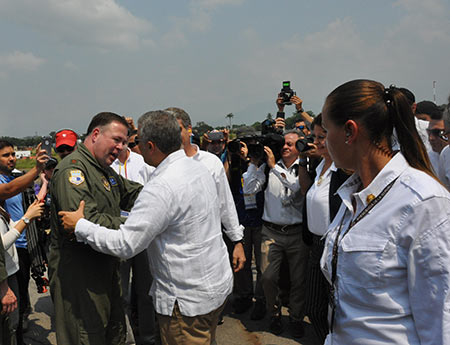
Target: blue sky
point(63, 61)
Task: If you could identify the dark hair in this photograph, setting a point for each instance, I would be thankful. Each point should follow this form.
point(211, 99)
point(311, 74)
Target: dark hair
point(5, 143)
point(317, 121)
point(180, 114)
point(429, 108)
point(380, 110)
point(103, 119)
point(408, 94)
point(161, 128)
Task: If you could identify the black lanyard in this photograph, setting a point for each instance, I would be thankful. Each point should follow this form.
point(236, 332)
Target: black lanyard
point(334, 259)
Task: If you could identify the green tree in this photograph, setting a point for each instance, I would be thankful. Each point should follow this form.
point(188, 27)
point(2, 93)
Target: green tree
point(201, 128)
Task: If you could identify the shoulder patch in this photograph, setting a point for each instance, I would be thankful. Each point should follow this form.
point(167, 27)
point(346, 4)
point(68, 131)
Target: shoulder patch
point(106, 184)
point(112, 181)
point(76, 177)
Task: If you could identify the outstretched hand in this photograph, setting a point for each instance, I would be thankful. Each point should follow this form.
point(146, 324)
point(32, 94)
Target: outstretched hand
point(70, 219)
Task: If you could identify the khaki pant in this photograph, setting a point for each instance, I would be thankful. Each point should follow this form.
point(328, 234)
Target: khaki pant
point(275, 244)
point(184, 330)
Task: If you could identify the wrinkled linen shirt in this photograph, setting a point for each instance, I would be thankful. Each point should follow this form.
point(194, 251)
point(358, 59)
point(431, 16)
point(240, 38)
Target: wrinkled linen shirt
point(393, 271)
point(228, 213)
point(282, 198)
point(177, 217)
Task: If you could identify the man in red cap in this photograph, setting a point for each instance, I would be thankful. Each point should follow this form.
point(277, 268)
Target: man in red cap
point(66, 141)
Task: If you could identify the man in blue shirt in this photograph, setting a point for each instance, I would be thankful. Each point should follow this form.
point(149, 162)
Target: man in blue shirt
point(10, 193)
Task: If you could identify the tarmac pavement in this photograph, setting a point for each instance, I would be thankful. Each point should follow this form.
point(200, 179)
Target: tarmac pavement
point(236, 330)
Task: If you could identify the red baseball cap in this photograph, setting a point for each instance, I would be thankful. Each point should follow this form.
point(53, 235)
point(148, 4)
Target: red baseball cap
point(66, 137)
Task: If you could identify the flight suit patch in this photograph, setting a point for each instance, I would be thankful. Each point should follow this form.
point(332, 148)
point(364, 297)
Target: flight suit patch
point(106, 184)
point(112, 181)
point(76, 177)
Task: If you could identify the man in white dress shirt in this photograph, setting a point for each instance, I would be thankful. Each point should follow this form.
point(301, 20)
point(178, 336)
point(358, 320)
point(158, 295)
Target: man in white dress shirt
point(131, 166)
point(177, 217)
point(281, 231)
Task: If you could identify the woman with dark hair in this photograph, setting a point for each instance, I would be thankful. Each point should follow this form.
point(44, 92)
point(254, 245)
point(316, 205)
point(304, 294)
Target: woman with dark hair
point(320, 207)
point(387, 252)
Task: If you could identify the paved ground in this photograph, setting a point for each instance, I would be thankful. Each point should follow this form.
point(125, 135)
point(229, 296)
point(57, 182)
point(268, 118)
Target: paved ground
point(237, 329)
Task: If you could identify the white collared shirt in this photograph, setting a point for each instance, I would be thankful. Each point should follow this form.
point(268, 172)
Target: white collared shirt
point(228, 213)
point(318, 201)
point(282, 197)
point(444, 166)
point(134, 168)
point(9, 236)
point(393, 268)
point(177, 217)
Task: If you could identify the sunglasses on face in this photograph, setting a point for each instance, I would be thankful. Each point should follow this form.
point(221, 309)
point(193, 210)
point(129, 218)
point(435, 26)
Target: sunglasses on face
point(132, 144)
point(440, 133)
point(64, 148)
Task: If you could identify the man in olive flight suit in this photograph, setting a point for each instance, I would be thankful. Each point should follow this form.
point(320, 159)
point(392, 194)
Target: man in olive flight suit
point(85, 283)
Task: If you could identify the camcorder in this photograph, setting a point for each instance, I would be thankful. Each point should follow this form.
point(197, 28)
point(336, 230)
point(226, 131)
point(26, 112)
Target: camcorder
point(287, 93)
point(255, 145)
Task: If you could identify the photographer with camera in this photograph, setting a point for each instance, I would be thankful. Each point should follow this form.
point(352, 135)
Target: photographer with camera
point(281, 230)
point(287, 96)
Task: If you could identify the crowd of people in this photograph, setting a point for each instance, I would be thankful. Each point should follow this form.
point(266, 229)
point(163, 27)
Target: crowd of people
point(148, 233)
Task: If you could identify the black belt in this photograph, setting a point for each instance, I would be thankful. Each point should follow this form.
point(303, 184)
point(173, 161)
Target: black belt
point(282, 228)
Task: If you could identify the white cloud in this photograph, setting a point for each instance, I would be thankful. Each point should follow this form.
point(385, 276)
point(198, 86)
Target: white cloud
point(215, 3)
point(20, 61)
point(100, 23)
point(198, 20)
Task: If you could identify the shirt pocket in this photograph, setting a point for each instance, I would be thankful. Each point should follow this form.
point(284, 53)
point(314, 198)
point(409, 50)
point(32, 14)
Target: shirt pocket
point(362, 261)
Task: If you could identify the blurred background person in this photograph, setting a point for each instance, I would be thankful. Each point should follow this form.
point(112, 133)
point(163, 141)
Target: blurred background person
point(444, 157)
point(435, 131)
point(65, 142)
point(320, 207)
point(10, 232)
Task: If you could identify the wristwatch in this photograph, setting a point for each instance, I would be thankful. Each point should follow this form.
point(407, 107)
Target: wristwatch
point(25, 220)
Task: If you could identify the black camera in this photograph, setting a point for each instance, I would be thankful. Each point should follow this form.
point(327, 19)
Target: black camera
point(272, 140)
point(234, 146)
point(302, 144)
point(287, 93)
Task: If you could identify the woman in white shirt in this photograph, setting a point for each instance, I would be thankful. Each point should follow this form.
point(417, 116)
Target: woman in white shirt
point(321, 206)
point(10, 232)
point(387, 252)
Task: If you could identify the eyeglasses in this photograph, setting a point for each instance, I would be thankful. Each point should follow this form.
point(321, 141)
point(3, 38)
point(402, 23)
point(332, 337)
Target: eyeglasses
point(301, 127)
point(440, 133)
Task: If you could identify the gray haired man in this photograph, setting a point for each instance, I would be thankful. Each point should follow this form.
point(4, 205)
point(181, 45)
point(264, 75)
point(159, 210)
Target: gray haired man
point(177, 219)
